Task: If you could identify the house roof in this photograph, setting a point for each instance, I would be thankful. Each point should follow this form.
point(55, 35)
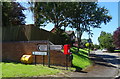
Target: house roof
point(69, 32)
point(53, 30)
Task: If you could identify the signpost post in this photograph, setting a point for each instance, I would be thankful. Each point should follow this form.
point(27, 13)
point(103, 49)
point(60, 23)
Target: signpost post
point(46, 50)
point(43, 60)
point(35, 59)
point(39, 53)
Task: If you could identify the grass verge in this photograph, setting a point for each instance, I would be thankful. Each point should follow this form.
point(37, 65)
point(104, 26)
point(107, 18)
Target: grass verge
point(116, 50)
point(22, 70)
point(80, 58)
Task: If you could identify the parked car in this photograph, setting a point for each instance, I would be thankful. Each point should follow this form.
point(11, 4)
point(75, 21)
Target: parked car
point(104, 50)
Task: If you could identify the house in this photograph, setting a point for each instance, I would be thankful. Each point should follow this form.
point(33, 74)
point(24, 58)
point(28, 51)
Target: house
point(70, 34)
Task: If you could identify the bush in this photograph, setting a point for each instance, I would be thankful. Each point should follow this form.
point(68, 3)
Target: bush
point(111, 49)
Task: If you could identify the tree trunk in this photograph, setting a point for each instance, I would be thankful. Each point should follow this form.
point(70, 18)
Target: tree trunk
point(79, 34)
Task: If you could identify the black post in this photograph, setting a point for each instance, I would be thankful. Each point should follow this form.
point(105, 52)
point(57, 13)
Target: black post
point(66, 62)
point(48, 51)
point(35, 59)
point(43, 60)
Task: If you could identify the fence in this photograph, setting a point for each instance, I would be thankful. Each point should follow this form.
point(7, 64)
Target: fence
point(29, 33)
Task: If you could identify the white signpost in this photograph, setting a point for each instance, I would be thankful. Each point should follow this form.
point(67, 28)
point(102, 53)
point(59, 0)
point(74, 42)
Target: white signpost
point(52, 47)
point(42, 47)
point(39, 53)
point(56, 47)
point(44, 50)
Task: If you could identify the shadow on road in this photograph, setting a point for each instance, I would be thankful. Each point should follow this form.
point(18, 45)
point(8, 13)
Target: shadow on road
point(97, 59)
point(111, 59)
point(104, 64)
point(106, 56)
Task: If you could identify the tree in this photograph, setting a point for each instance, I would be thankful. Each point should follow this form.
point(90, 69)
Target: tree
point(78, 15)
point(49, 12)
point(96, 46)
point(106, 41)
point(86, 15)
point(12, 14)
point(116, 37)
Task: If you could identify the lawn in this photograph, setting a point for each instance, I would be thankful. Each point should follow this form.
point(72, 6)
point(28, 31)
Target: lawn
point(80, 59)
point(22, 70)
point(117, 50)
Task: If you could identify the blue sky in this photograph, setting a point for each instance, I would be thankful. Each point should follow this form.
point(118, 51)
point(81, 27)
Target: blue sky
point(110, 27)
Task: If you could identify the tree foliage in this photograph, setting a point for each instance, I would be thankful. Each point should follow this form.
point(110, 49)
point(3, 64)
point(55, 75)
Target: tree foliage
point(50, 12)
point(12, 14)
point(77, 15)
point(85, 15)
point(97, 46)
point(116, 37)
point(106, 41)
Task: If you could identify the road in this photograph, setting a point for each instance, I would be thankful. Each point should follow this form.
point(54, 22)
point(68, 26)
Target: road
point(106, 67)
point(110, 58)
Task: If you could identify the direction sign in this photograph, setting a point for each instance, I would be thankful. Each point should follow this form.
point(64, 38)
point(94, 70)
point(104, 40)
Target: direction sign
point(39, 53)
point(56, 47)
point(42, 47)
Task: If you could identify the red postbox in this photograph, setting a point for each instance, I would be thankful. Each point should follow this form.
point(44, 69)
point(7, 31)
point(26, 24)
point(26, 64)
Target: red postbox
point(67, 49)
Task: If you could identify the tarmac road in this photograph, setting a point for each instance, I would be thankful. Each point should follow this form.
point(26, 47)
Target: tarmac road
point(110, 58)
point(106, 67)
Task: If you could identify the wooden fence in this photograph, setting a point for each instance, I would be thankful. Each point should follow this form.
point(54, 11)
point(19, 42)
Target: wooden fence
point(29, 33)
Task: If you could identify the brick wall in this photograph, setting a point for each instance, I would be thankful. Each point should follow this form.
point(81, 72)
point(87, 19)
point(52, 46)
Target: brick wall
point(13, 51)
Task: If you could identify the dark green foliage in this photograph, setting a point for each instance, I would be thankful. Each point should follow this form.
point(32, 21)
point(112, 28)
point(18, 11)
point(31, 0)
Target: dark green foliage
point(12, 14)
point(106, 41)
point(78, 15)
point(96, 46)
point(64, 37)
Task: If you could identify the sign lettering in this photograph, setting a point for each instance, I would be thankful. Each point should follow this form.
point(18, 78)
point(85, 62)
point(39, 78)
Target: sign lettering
point(39, 53)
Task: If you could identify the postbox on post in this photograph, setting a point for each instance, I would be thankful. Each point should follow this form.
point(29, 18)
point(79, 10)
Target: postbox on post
point(67, 53)
point(67, 49)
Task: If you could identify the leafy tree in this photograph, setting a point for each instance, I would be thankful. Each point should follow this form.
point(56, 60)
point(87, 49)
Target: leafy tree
point(78, 15)
point(12, 14)
point(47, 12)
point(83, 42)
point(116, 37)
point(86, 15)
point(106, 41)
point(96, 46)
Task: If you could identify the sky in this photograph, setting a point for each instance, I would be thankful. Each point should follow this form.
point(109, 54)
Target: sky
point(110, 27)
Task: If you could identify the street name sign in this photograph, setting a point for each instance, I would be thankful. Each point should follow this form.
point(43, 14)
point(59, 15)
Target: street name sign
point(56, 47)
point(39, 53)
